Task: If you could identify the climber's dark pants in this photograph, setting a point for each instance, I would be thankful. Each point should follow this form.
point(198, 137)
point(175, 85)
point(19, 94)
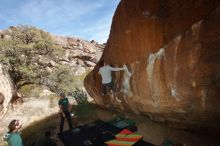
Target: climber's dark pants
point(107, 87)
point(68, 117)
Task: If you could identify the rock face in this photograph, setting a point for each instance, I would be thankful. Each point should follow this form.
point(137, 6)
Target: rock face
point(76, 54)
point(7, 91)
point(80, 54)
point(171, 50)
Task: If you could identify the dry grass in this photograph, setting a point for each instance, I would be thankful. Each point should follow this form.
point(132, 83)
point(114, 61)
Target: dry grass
point(153, 132)
point(32, 110)
point(38, 128)
point(84, 113)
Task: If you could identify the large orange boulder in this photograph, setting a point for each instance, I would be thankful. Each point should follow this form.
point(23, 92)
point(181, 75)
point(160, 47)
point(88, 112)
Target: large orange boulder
point(172, 52)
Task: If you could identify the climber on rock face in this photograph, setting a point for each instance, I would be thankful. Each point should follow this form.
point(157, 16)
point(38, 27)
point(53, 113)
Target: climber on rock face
point(105, 72)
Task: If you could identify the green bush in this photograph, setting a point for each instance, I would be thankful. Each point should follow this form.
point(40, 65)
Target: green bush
point(80, 96)
point(31, 90)
point(85, 112)
point(27, 55)
point(20, 52)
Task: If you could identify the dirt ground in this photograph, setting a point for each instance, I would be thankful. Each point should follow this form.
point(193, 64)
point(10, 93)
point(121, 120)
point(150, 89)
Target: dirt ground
point(152, 132)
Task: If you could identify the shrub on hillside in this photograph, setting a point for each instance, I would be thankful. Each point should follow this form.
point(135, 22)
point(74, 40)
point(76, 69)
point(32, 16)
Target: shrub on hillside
point(80, 96)
point(84, 110)
point(21, 52)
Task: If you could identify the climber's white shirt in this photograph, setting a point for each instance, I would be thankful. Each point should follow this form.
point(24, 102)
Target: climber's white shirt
point(105, 72)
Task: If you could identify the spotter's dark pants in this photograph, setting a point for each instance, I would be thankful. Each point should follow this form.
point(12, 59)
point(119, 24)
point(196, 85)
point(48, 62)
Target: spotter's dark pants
point(68, 117)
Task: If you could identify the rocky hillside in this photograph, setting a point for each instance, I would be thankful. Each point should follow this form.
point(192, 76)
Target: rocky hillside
point(79, 53)
point(34, 62)
point(34, 67)
point(171, 50)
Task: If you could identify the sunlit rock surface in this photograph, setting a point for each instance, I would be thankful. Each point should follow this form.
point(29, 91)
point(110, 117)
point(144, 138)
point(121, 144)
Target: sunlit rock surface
point(7, 91)
point(172, 53)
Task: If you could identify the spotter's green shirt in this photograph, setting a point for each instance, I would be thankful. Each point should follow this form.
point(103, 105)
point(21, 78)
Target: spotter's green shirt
point(15, 139)
point(64, 102)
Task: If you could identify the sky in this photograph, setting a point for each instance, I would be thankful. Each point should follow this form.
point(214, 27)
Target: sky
point(86, 19)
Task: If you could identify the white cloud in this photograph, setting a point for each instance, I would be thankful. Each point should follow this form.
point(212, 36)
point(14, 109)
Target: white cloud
point(52, 12)
point(99, 31)
point(85, 19)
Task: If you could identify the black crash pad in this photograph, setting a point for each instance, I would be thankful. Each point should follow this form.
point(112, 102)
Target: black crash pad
point(93, 134)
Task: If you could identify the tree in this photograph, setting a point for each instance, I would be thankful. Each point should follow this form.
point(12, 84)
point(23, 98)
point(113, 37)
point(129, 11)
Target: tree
point(19, 52)
point(26, 54)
